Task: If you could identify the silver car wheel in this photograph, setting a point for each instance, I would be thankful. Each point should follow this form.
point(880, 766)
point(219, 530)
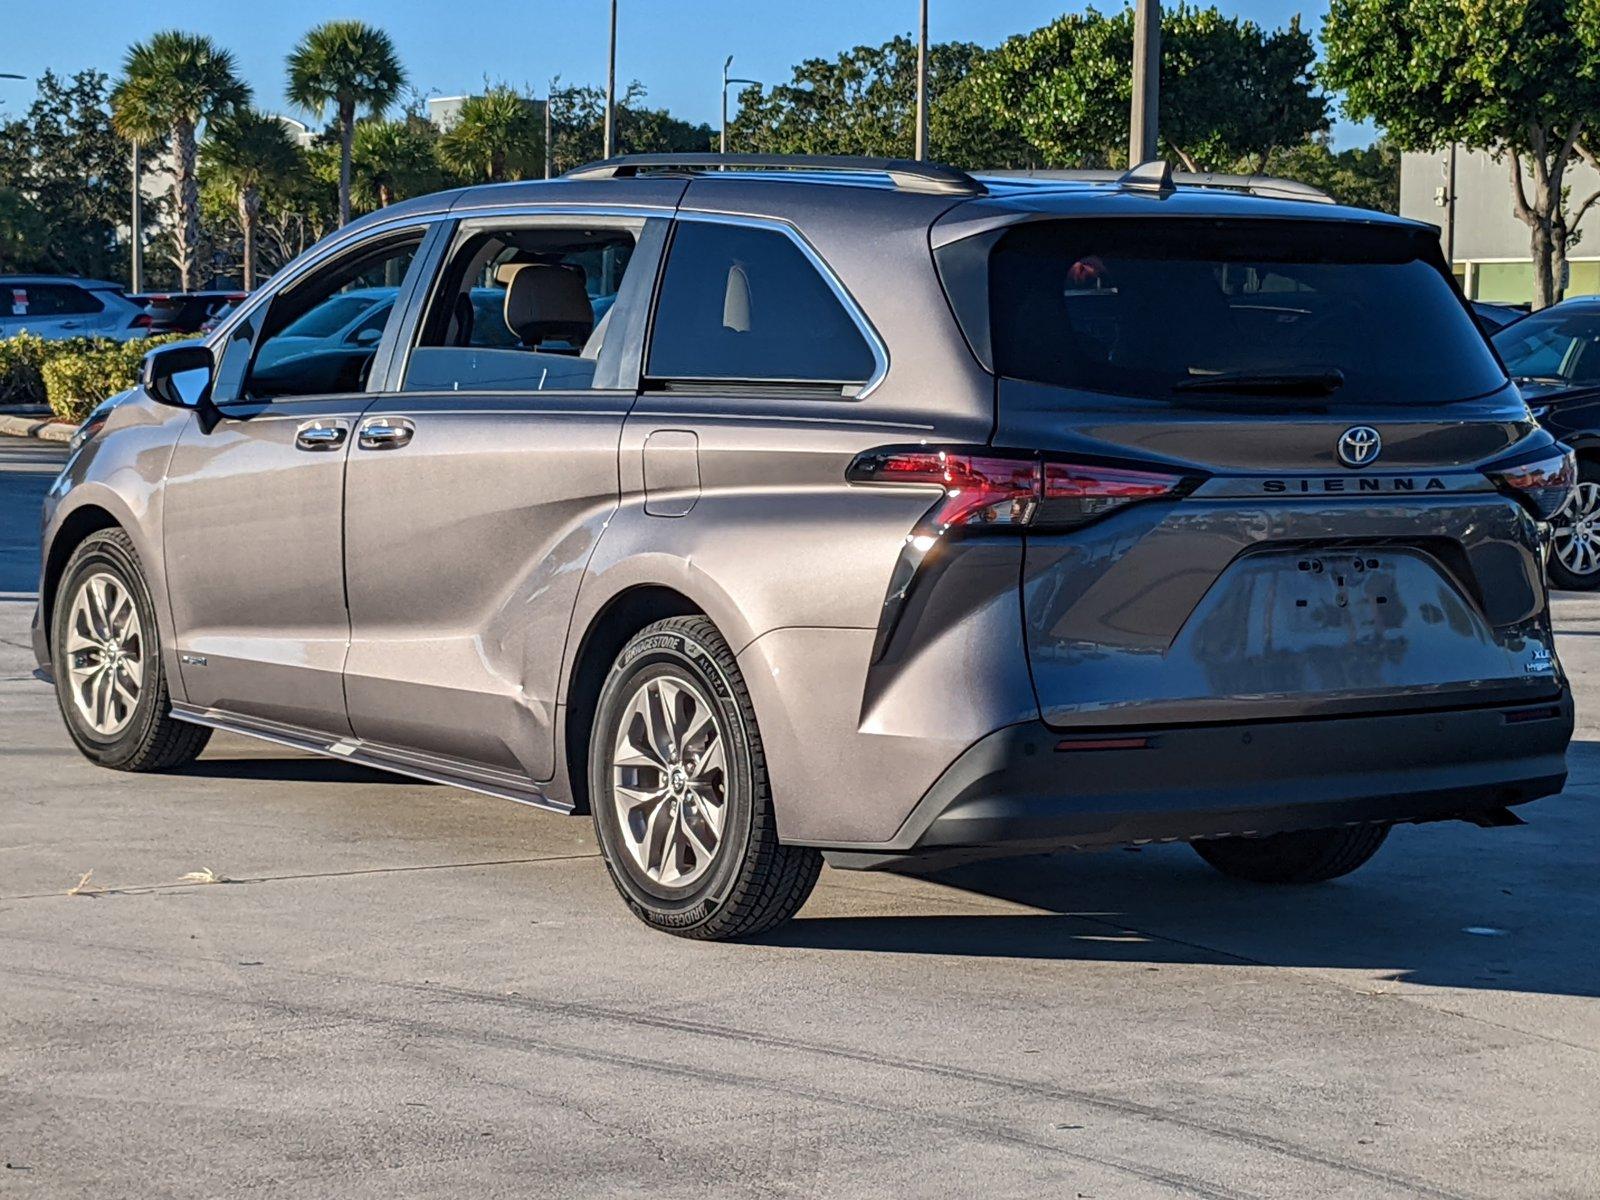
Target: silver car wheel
point(105, 653)
point(669, 780)
point(1577, 530)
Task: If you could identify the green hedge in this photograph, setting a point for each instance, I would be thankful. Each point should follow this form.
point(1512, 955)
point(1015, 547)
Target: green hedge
point(72, 375)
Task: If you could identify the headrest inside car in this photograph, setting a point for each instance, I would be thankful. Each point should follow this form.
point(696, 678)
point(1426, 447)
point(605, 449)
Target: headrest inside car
point(547, 302)
point(736, 301)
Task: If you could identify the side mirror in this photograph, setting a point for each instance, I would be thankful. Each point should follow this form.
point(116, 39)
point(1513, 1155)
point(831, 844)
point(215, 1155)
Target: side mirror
point(162, 366)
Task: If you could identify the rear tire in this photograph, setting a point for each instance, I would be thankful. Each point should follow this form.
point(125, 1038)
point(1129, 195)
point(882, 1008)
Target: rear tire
point(679, 791)
point(1310, 856)
point(106, 657)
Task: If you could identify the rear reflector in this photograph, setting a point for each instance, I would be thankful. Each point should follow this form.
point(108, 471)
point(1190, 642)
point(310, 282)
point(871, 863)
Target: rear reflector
point(990, 489)
point(1125, 743)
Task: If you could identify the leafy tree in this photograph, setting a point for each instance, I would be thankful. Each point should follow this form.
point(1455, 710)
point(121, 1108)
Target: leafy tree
point(1515, 77)
point(578, 126)
point(395, 160)
point(862, 102)
point(246, 153)
point(496, 136)
point(170, 85)
point(1229, 89)
point(1363, 176)
point(349, 65)
point(66, 181)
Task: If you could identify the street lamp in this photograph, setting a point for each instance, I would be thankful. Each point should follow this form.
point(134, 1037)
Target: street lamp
point(921, 149)
point(726, 80)
point(611, 87)
point(11, 75)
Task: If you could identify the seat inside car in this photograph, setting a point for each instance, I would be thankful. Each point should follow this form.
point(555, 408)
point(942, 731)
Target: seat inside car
point(546, 302)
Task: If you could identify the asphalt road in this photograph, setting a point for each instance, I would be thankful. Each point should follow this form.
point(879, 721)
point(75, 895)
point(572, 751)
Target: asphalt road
point(407, 990)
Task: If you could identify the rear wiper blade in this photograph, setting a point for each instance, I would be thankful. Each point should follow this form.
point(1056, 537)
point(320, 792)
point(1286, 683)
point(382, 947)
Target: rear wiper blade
point(1272, 383)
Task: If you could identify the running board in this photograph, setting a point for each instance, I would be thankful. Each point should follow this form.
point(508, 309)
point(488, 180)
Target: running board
point(487, 781)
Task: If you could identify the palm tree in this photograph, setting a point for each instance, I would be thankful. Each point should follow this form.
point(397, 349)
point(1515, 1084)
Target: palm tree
point(349, 65)
point(170, 84)
point(496, 136)
point(394, 160)
point(246, 152)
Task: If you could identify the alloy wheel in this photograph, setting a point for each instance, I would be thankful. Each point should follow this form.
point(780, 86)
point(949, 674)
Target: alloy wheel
point(105, 653)
point(669, 780)
point(1577, 530)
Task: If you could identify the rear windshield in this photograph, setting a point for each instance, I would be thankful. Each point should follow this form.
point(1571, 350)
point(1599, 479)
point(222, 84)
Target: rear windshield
point(1175, 308)
point(1555, 346)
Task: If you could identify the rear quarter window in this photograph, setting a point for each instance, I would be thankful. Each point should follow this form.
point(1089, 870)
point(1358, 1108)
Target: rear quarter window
point(747, 304)
point(1151, 308)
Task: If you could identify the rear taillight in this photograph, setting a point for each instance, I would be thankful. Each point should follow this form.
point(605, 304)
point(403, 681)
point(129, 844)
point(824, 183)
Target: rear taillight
point(984, 489)
point(1542, 483)
point(143, 321)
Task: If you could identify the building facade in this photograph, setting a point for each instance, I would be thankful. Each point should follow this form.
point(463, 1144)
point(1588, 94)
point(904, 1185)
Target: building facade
point(1485, 242)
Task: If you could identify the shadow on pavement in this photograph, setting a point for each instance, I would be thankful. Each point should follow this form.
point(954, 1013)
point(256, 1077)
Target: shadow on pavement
point(293, 770)
point(1443, 904)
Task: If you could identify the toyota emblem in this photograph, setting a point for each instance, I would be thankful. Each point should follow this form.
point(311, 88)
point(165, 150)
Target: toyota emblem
point(1359, 446)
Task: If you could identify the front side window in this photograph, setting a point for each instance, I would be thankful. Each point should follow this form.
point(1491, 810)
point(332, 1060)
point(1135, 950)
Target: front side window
point(321, 334)
point(525, 309)
point(1176, 308)
point(747, 304)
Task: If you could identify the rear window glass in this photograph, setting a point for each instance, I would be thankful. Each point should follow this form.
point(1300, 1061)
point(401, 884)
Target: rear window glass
point(1174, 308)
point(747, 304)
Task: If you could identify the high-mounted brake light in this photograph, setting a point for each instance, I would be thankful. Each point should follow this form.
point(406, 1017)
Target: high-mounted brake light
point(1542, 483)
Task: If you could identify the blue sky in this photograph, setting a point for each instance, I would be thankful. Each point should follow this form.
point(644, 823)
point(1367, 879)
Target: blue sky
point(675, 47)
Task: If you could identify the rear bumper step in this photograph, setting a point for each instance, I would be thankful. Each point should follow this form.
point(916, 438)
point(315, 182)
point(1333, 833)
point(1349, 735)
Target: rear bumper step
point(1022, 789)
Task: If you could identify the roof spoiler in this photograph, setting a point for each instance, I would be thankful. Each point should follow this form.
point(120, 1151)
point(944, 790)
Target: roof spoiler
point(1158, 178)
point(906, 174)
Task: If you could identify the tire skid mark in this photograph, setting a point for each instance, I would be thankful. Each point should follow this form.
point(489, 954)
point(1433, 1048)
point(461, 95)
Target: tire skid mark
point(589, 1013)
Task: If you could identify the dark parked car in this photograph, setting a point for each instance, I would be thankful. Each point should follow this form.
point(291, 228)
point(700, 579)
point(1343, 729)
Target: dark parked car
point(1554, 356)
point(1493, 317)
point(865, 510)
point(184, 312)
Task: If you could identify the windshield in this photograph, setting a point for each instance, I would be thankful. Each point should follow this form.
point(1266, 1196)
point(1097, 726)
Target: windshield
point(1554, 345)
point(327, 318)
point(1180, 309)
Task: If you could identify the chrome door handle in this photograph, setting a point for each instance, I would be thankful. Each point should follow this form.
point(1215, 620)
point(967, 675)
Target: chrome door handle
point(321, 435)
point(384, 433)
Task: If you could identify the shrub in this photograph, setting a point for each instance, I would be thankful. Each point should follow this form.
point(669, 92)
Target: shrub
point(77, 374)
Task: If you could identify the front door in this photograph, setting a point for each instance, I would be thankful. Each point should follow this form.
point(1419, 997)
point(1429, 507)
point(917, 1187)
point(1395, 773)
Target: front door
point(254, 501)
point(478, 488)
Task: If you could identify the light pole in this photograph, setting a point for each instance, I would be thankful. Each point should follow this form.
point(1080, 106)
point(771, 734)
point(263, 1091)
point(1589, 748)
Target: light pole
point(1146, 82)
point(611, 87)
point(549, 131)
point(922, 84)
point(136, 234)
point(726, 80)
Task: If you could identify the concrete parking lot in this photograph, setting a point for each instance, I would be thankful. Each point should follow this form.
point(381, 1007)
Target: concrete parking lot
point(405, 990)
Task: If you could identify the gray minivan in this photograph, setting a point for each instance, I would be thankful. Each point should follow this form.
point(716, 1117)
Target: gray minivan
point(778, 510)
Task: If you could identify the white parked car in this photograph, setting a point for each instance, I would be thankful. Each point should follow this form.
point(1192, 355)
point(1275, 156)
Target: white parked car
point(65, 306)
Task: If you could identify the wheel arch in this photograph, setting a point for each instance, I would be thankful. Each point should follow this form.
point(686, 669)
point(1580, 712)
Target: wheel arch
point(74, 528)
point(607, 632)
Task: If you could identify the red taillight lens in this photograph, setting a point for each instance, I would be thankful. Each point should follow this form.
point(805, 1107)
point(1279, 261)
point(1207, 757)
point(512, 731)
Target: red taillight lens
point(142, 321)
point(1543, 483)
point(987, 489)
point(1075, 493)
point(978, 490)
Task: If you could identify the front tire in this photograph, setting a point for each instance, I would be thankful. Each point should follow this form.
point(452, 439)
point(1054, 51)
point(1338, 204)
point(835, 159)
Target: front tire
point(106, 658)
point(1575, 553)
point(678, 786)
point(1309, 856)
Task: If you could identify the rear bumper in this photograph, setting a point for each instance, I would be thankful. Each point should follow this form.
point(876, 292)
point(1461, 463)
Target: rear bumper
point(1028, 788)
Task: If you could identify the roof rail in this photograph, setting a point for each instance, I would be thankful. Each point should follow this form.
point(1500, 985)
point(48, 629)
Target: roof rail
point(1157, 176)
point(906, 174)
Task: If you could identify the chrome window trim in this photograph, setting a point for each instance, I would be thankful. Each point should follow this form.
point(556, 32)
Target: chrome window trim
point(880, 352)
point(469, 222)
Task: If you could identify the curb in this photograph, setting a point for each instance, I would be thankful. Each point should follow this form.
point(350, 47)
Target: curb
point(47, 429)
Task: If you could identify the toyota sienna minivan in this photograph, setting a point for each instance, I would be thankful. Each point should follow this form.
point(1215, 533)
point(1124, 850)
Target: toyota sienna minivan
point(776, 510)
